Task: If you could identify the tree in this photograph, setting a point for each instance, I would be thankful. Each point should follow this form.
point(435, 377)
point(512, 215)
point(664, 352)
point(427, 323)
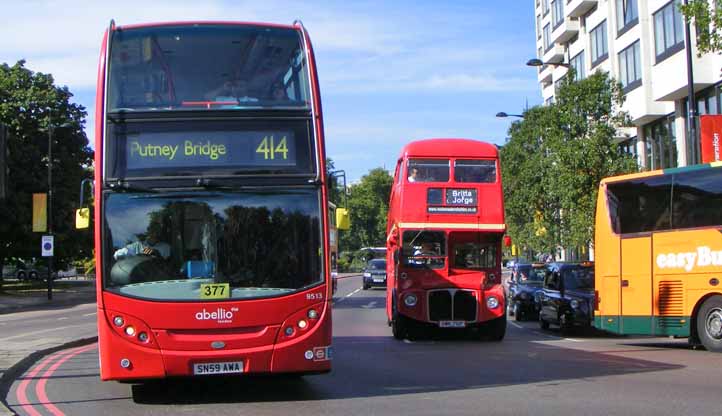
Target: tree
point(29, 101)
point(555, 158)
point(708, 21)
point(368, 207)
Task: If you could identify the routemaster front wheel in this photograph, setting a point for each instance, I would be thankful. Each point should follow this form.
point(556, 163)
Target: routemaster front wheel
point(709, 324)
point(495, 330)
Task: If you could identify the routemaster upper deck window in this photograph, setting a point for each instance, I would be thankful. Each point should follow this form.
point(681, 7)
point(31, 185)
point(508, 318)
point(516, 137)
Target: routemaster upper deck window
point(207, 67)
point(475, 171)
point(428, 170)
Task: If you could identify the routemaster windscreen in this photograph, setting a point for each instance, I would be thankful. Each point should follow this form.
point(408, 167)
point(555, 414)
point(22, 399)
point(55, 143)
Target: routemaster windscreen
point(166, 246)
point(207, 67)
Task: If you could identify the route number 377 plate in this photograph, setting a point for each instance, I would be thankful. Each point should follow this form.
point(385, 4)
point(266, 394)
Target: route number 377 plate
point(215, 291)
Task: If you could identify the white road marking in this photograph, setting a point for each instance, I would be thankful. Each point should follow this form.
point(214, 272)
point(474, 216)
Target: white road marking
point(516, 325)
point(90, 314)
point(353, 293)
point(573, 340)
point(62, 318)
point(42, 331)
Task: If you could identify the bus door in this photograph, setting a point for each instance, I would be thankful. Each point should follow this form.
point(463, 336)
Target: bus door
point(636, 285)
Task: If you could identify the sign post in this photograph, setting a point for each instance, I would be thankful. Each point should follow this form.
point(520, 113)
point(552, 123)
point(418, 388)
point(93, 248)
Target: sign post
point(711, 133)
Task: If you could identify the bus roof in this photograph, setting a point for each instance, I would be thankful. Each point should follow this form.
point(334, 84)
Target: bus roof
point(205, 23)
point(660, 172)
point(449, 147)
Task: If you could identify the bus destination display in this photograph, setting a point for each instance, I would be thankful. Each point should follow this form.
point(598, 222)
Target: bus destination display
point(210, 149)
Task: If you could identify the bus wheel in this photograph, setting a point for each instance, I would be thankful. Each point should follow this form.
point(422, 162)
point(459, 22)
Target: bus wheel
point(542, 323)
point(496, 328)
point(517, 313)
point(399, 328)
point(709, 324)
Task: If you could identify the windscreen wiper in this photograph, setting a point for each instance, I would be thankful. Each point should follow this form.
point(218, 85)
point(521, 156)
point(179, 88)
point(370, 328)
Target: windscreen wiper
point(124, 186)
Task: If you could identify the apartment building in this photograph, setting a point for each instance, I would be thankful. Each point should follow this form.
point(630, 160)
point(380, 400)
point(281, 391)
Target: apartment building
point(642, 44)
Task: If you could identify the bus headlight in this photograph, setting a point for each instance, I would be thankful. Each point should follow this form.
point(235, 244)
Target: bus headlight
point(574, 303)
point(492, 302)
point(410, 300)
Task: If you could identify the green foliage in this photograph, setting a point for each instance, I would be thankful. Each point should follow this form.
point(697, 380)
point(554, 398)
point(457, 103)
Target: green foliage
point(335, 186)
point(555, 159)
point(368, 203)
point(28, 102)
point(708, 21)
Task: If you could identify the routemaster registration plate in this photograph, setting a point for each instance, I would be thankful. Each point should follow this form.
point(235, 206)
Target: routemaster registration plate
point(452, 324)
point(200, 369)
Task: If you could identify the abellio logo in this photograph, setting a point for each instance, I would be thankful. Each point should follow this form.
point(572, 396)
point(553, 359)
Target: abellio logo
point(220, 315)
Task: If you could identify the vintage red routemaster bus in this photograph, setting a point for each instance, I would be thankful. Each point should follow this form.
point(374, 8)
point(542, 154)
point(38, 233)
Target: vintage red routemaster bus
point(445, 230)
point(211, 212)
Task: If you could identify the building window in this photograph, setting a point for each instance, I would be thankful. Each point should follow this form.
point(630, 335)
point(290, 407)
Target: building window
point(630, 67)
point(629, 147)
point(627, 15)
point(598, 38)
point(668, 31)
point(661, 144)
point(549, 101)
point(547, 38)
point(578, 64)
point(538, 26)
point(557, 13)
point(545, 7)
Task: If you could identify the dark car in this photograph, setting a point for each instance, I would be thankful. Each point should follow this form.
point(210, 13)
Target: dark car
point(567, 296)
point(526, 280)
point(375, 274)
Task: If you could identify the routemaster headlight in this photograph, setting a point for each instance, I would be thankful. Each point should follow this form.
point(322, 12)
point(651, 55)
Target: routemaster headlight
point(410, 300)
point(492, 302)
point(574, 303)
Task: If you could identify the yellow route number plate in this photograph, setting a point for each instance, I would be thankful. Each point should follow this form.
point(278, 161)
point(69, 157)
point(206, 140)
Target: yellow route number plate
point(215, 291)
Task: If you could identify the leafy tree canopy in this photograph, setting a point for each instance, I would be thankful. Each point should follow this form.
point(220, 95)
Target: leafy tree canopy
point(29, 104)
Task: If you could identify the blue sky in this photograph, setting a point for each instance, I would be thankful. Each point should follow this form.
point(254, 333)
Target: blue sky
point(390, 71)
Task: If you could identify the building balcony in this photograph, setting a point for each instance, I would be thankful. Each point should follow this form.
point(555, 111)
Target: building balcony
point(544, 74)
point(670, 75)
point(566, 30)
point(577, 8)
point(555, 54)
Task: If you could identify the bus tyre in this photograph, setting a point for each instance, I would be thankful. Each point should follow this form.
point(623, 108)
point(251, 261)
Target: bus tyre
point(709, 324)
point(399, 326)
point(542, 323)
point(496, 328)
point(517, 313)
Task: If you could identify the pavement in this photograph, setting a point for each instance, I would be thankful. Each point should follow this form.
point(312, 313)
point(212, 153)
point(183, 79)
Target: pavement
point(18, 352)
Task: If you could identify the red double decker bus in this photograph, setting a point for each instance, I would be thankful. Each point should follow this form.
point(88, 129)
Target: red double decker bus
point(445, 230)
point(211, 212)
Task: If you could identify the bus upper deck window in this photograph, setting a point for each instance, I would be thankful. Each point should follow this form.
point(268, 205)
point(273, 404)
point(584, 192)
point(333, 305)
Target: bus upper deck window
point(475, 171)
point(428, 170)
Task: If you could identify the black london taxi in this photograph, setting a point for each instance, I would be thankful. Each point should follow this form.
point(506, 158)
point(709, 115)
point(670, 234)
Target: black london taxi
point(526, 280)
point(567, 295)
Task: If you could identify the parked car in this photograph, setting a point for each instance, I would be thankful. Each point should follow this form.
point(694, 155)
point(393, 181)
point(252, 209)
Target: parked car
point(375, 274)
point(526, 280)
point(567, 296)
point(31, 271)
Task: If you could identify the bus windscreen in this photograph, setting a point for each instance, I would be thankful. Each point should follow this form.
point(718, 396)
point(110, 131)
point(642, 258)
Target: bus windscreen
point(207, 67)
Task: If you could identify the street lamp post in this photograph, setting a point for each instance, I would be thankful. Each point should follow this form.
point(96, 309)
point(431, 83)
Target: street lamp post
point(50, 205)
point(502, 114)
point(538, 62)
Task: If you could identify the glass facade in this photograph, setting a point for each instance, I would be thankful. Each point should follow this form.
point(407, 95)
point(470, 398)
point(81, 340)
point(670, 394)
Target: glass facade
point(668, 30)
point(598, 37)
point(661, 144)
point(630, 67)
